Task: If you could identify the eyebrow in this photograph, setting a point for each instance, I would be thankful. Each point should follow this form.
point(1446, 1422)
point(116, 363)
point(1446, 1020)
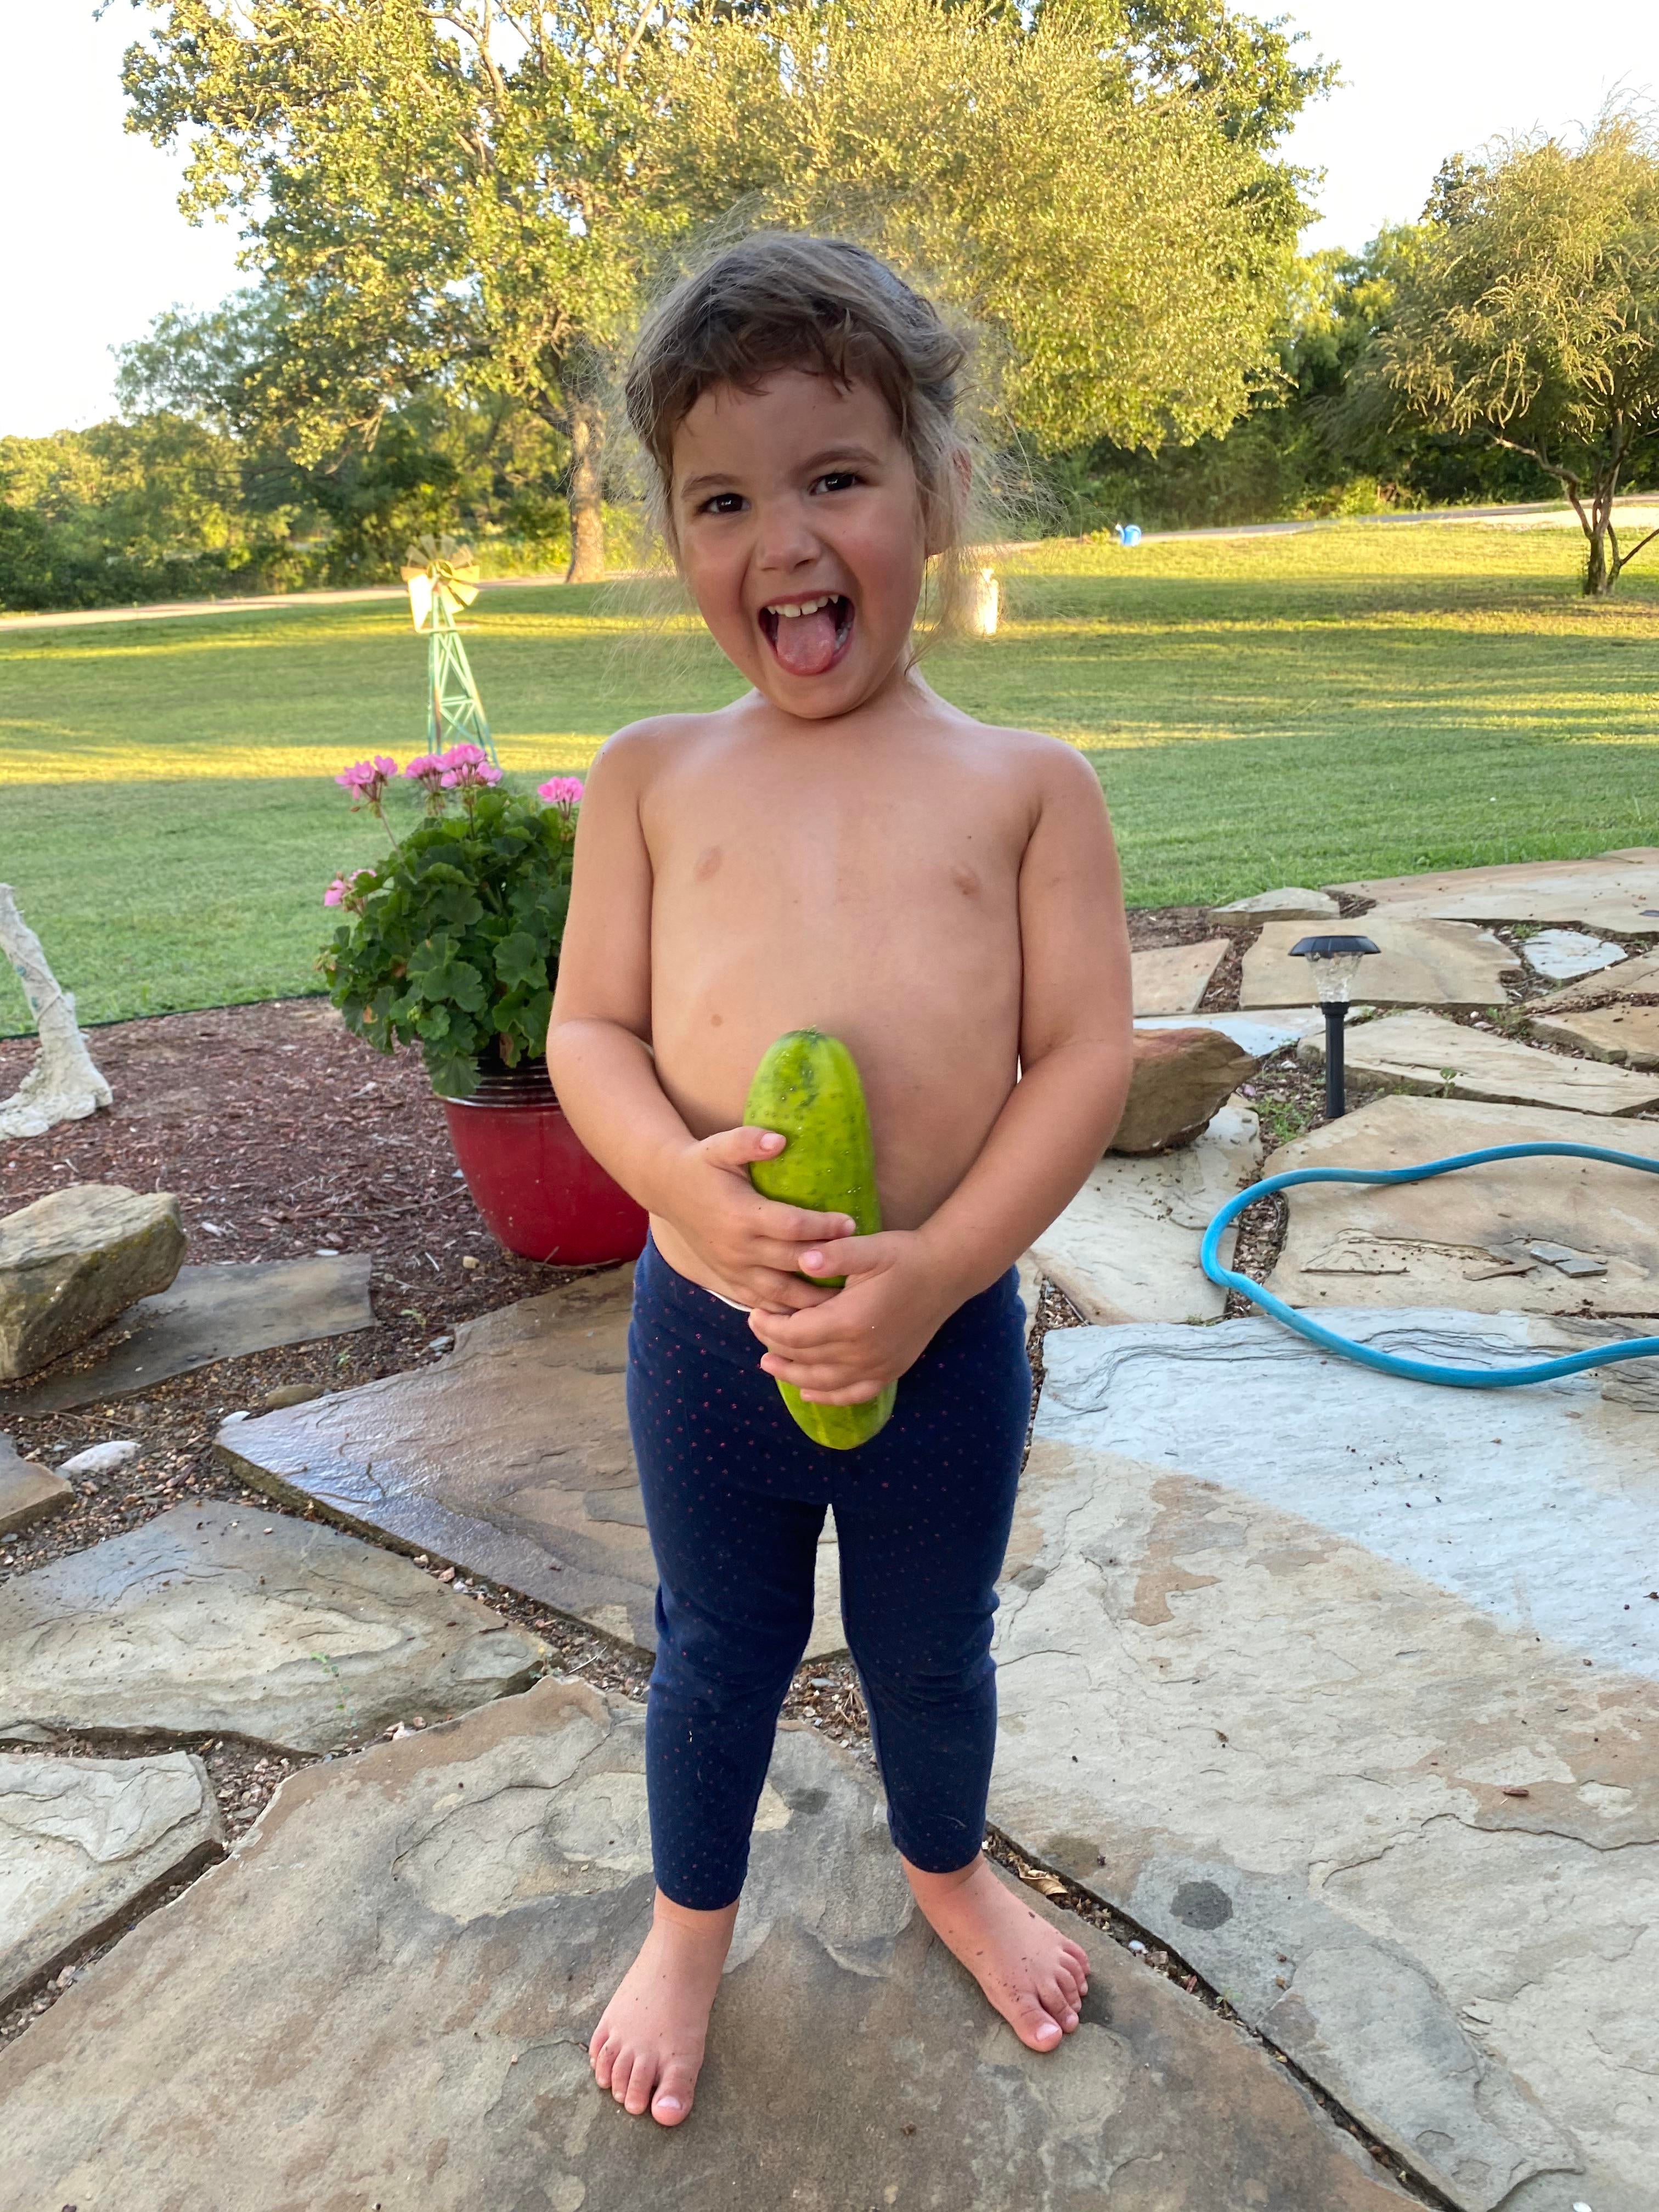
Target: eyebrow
point(815, 464)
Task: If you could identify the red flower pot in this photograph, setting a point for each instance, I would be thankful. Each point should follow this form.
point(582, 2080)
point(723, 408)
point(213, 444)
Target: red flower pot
point(540, 1191)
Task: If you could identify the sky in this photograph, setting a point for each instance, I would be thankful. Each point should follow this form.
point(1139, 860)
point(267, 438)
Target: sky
point(95, 245)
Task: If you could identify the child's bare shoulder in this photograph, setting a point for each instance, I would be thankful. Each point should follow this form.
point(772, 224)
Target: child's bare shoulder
point(641, 751)
point(1044, 769)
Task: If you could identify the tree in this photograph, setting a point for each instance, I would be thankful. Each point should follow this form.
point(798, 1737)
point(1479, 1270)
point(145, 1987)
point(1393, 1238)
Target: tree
point(1106, 233)
point(465, 196)
point(444, 193)
point(1532, 320)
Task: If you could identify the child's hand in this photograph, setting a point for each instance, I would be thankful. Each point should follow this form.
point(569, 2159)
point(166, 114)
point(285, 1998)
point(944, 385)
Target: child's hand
point(846, 1350)
point(751, 1244)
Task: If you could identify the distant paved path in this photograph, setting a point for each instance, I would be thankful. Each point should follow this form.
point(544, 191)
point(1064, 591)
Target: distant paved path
point(275, 601)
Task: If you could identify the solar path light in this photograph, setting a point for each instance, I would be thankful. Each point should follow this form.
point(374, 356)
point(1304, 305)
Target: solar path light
point(1332, 964)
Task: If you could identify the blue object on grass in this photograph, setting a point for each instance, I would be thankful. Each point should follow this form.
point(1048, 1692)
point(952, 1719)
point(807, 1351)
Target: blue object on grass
point(1390, 1363)
point(1128, 533)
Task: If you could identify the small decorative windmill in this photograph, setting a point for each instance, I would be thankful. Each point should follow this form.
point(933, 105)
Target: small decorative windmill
point(442, 577)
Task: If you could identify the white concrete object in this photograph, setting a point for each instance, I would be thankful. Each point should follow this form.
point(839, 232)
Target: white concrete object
point(62, 1085)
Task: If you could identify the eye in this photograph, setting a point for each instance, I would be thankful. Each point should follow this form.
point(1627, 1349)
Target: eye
point(838, 480)
point(723, 503)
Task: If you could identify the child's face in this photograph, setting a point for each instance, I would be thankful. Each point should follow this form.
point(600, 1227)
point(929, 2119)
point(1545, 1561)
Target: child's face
point(800, 495)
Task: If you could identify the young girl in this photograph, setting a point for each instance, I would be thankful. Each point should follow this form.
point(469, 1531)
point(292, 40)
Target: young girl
point(839, 849)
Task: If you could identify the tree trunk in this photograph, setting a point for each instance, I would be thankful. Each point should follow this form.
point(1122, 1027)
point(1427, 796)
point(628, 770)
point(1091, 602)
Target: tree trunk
point(1600, 575)
point(586, 475)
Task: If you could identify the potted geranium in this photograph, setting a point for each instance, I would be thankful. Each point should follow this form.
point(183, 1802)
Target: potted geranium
point(451, 942)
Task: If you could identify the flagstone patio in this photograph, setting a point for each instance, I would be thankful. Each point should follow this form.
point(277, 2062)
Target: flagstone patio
point(422, 2040)
point(1343, 1688)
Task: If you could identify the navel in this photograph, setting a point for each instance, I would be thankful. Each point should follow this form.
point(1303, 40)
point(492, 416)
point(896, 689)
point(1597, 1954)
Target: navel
point(709, 863)
point(966, 882)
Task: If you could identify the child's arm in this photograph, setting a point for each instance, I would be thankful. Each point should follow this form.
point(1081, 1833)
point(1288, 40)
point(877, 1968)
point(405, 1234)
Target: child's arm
point(602, 1070)
point(1075, 1063)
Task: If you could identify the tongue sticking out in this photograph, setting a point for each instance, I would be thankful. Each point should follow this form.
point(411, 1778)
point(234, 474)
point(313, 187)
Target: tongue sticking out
point(805, 644)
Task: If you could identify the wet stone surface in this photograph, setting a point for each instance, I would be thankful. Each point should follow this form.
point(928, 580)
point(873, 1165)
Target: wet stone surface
point(1362, 1722)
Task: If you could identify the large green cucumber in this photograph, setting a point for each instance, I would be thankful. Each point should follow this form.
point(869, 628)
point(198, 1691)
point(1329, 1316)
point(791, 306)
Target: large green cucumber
point(807, 1089)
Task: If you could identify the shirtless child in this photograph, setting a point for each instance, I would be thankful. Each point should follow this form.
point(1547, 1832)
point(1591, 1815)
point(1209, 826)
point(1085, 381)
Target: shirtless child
point(839, 849)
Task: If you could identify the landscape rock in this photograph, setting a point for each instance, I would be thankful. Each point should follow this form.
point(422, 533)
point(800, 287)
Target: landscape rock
point(1181, 1077)
point(102, 1459)
point(74, 1260)
point(1126, 1249)
point(1610, 893)
point(1291, 903)
point(1172, 979)
point(1563, 954)
point(28, 1491)
point(421, 2038)
point(290, 1393)
point(1419, 962)
point(1628, 1036)
point(1635, 978)
point(509, 1456)
point(213, 1619)
point(1423, 1052)
point(1469, 1239)
point(83, 1840)
point(1240, 1702)
point(223, 1310)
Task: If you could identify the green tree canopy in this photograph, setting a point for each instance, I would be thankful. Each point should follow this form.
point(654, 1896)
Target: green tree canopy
point(1107, 234)
point(470, 195)
point(1531, 320)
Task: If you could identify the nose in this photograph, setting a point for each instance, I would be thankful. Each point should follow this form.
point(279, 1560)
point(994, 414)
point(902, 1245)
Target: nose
point(785, 540)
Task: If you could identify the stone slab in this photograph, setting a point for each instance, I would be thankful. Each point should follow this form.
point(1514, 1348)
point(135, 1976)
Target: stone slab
point(1258, 1034)
point(1607, 892)
point(223, 1310)
point(1463, 1239)
point(28, 1491)
point(1629, 1035)
point(423, 2041)
point(1564, 954)
point(1422, 1052)
point(212, 1619)
point(511, 1457)
point(1419, 962)
point(1349, 1770)
point(74, 1258)
point(1635, 978)
point(83, 1840)
point(1171, 979)
point(1126, 1249)
point(1292, 903)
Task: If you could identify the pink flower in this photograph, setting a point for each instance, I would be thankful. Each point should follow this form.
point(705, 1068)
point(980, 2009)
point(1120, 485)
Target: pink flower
point(561, 791)
point(367, 780)
point(343, 891)
point(467, 768)
point(427, 768)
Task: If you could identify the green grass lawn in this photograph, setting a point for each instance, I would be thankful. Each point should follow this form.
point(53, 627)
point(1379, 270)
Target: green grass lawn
point(1365, 699)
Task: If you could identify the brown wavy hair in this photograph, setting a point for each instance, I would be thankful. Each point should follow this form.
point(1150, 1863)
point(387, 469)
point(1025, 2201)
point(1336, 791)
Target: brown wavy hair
point(777, 301)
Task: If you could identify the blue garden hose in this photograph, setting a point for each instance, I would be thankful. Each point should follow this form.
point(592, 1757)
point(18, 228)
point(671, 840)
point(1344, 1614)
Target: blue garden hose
point(1390, 1363)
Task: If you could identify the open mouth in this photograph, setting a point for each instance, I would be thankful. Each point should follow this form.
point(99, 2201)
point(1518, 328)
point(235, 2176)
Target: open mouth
point(809, 635)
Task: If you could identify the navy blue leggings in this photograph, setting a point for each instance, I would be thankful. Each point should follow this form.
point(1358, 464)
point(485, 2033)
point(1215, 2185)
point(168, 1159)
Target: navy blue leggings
point(734, 1498)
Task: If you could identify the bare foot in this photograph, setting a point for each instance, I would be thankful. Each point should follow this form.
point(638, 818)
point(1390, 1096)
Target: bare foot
point(647, 2049)
point(1036, 1976)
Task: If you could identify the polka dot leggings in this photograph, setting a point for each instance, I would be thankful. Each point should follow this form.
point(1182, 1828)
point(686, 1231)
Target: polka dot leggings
point(735, 1499)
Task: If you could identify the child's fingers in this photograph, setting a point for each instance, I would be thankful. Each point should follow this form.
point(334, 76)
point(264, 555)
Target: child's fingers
point(737, 1148)
point(859, 1393)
